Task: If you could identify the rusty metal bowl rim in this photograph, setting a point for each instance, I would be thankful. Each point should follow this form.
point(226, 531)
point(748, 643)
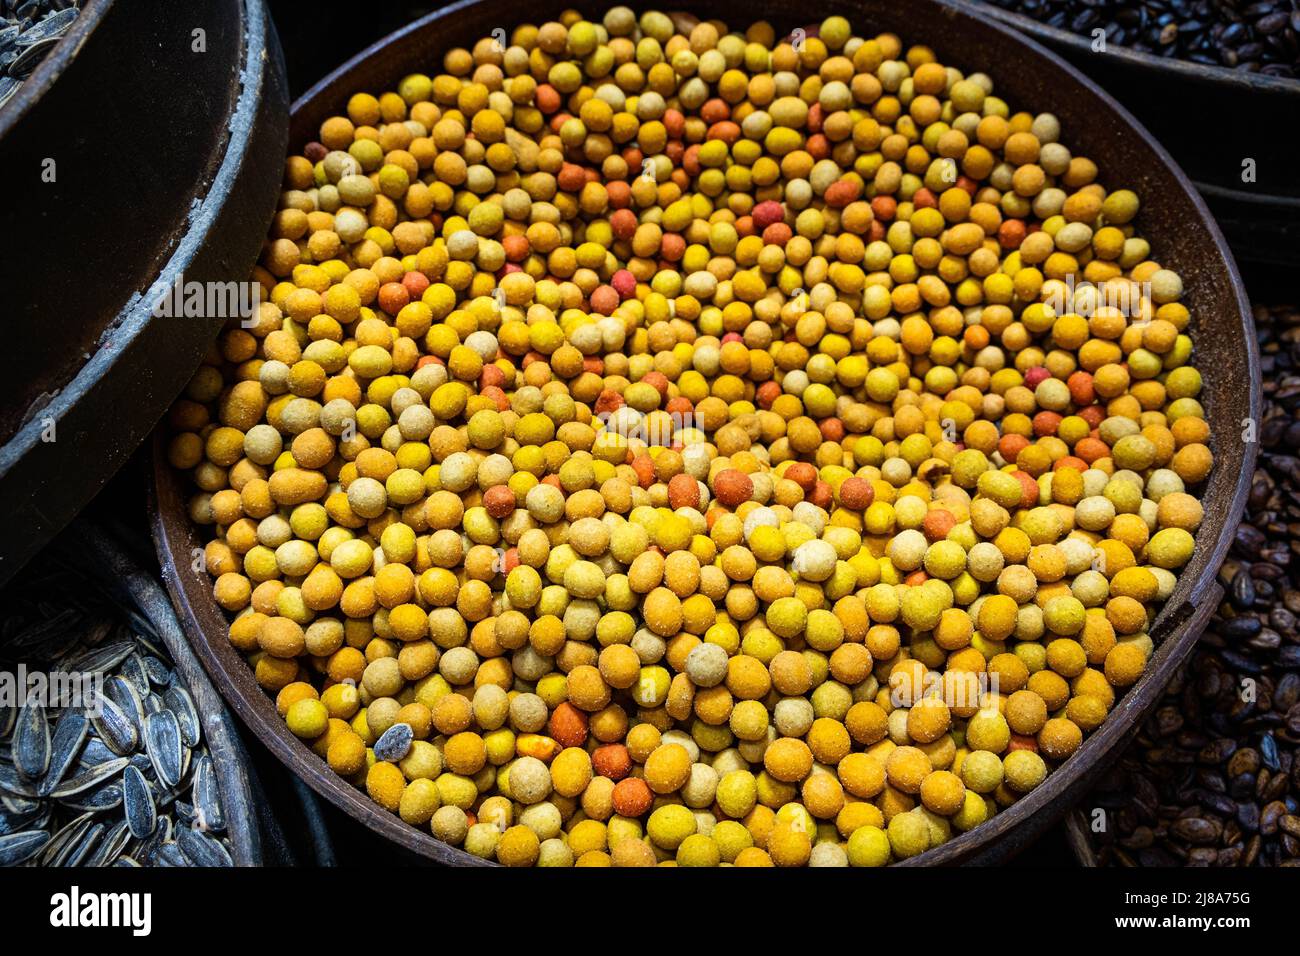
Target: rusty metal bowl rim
point(1171, 67)
point(174, 536)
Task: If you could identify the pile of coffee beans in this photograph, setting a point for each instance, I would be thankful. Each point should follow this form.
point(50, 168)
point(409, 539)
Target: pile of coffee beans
point(1214, 778)
point(1261, 36)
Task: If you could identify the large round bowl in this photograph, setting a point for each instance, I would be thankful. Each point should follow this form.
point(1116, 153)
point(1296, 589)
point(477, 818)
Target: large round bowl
point(1182, 234)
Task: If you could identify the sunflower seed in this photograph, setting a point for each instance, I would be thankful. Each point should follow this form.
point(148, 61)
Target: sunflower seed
point(92, 777)
point(114, 842)
point(394, 743)
point(179, 702)
point(32, 740)
point(16, 804)
point(202, 850)
point(97, 800)
point(145, 636)
point(134, 670)
point(69, 734)
point(34, 819)
point(160, 675)
point(168, 853)
point(162, 738)
point(137, 804)
point(207, 797)
point(10, 782)
point(123, 692)
point(42, 819)
point(96, 752)
point(54, 25)
point(117, 787)
point(99, 660)
point(144, 849)
point(116, 728)
point(84, 846)
point(29, 57)
point(17, 847)
point(65, 841)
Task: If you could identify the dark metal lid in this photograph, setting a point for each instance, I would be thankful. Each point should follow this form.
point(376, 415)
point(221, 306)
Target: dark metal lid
point(145, 150)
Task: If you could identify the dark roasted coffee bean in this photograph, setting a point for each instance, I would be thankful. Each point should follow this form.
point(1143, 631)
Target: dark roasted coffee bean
point(1242, 787)
point(1218, 751)
point(1242, 663)
point(1219, 803)
point(1200, 830)
point(1243, 590)
point(1248, 540)
point(1269, 817)
point(1272, 23)
point(1248, 815)
point(1268, 751)
point(1240, 628)
point(1168, 721)
point(1266, 640)
point(1276, 788)
point(1139, 838)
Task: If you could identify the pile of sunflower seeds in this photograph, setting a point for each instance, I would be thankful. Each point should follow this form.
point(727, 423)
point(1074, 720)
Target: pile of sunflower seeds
point(128, 782)
point(29, 29)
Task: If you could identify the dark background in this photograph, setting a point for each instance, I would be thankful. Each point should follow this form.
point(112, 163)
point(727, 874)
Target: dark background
point(318, 37)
